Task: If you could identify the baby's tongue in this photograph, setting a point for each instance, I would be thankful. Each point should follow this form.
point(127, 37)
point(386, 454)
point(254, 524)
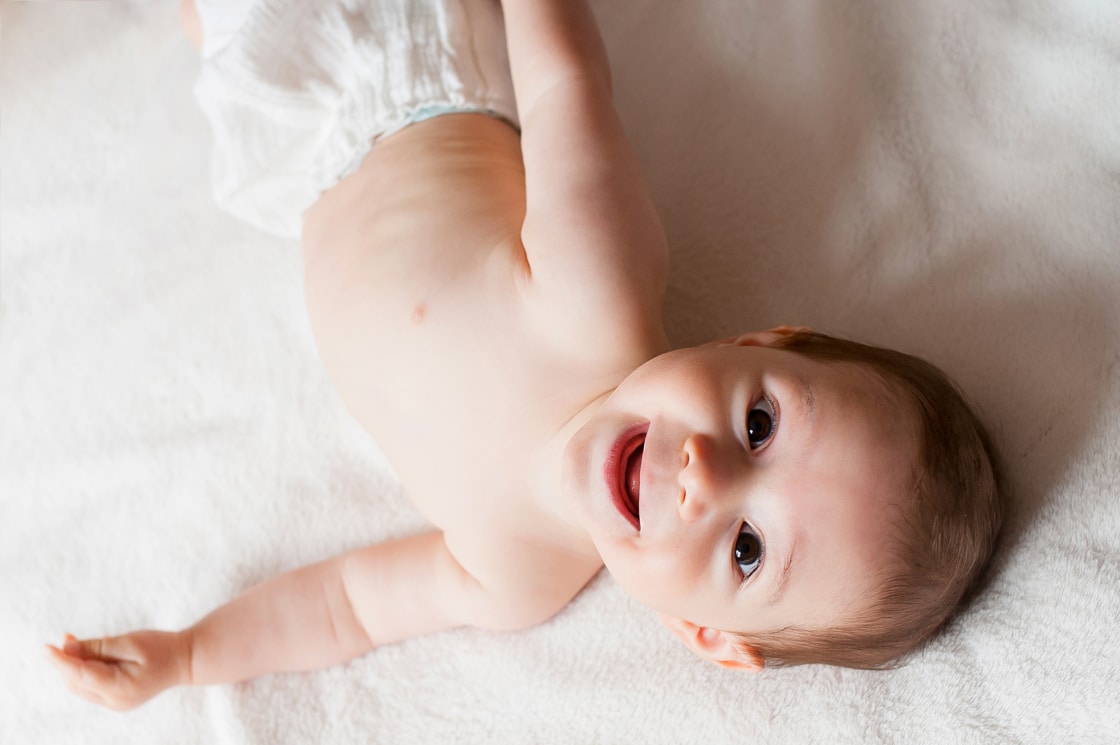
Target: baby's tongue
point(634, 476)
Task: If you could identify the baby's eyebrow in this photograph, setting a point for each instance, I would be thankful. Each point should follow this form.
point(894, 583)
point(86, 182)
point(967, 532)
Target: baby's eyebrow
point(803, 413)
point(808, 403)
point(808, 417)
point(786, 573)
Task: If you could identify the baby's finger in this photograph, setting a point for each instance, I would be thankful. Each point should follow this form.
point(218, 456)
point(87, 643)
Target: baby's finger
point(104, 675)
point(70, 669)
point(88, 672)
point(75, 686)
point(64, 662)
point(102, 683)
point(93, 697)
point(89, 649)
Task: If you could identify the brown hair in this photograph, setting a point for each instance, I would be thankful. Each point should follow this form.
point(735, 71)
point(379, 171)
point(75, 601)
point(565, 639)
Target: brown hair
point(946, 533)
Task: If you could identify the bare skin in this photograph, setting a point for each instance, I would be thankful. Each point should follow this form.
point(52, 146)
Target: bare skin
point(488, 306)
point(471, 314)
point(188, 19)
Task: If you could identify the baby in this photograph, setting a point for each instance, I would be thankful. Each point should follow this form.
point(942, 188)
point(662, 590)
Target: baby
point(484, 277)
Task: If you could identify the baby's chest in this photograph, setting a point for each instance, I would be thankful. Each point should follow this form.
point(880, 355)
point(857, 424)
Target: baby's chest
point(463, 477)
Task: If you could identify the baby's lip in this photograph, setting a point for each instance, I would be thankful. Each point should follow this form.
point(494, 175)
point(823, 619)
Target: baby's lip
point(615, 472)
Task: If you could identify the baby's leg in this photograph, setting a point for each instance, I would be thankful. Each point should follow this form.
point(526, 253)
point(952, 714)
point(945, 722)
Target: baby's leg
point(188, 17)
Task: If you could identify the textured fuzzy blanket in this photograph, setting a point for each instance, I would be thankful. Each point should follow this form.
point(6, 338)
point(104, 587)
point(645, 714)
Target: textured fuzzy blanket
point(938, 175)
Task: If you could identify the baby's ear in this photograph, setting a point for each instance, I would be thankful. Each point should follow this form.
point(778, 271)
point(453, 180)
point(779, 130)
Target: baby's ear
point(762, 338)
point(713, 645)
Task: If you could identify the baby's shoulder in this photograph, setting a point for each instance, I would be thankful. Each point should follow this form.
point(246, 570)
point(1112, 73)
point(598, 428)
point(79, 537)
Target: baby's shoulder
point(509, 567)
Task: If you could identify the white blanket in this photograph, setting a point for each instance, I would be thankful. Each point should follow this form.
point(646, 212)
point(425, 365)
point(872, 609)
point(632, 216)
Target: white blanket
point(938, 175)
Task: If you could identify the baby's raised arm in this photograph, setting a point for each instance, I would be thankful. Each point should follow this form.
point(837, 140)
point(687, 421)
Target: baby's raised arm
point(590, 224)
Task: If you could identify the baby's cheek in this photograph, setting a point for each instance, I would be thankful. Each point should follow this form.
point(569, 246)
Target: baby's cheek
point(654, 582)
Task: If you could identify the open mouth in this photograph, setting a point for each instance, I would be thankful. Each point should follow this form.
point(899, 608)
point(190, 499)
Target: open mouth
point(624, 474)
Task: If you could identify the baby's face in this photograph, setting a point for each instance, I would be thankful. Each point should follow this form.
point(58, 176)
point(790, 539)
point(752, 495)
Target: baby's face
point(742, 487)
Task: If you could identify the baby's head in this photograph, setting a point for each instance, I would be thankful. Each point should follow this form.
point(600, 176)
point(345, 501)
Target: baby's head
point(788, 497)
point(945, 530)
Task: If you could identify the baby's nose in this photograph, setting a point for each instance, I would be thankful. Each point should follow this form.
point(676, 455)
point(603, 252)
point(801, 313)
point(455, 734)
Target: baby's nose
point(699, 478)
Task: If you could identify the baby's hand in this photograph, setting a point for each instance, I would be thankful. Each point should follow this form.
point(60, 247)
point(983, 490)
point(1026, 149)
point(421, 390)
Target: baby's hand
point(122, 672)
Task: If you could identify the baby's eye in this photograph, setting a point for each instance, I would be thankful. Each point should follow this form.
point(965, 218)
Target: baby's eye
point(761, 423)
point(748, 550)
